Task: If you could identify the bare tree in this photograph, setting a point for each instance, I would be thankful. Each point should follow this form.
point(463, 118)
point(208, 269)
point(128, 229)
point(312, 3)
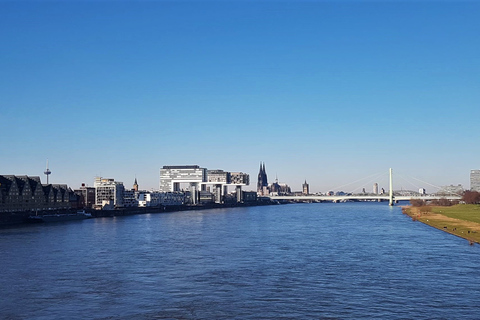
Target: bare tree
point(471, 197)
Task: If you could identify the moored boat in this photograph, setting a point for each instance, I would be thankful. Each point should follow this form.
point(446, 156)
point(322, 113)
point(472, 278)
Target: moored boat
point(60, 217)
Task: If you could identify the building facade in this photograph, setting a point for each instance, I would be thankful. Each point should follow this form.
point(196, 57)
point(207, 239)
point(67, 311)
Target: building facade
point(86, 196)
point(172, 176)
point(375, 188)
point(108, 192)
point(475, 180)
point(238, 178)
point(27, 193)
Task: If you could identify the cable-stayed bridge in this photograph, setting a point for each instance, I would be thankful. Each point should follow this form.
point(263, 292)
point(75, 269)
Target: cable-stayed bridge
point(391, 197)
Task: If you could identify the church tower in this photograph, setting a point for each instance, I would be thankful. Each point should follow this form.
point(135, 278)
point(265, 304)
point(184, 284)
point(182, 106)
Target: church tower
point(135, 185)
point(262, 181)
point(305, 188)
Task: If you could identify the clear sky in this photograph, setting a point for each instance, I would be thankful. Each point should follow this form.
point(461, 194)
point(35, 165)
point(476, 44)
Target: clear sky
point(327, 91)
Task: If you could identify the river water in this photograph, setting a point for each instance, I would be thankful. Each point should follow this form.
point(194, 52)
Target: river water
point(298, 261)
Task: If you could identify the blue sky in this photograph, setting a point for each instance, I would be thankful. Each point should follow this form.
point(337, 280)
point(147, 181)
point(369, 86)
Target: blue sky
point(327, 91)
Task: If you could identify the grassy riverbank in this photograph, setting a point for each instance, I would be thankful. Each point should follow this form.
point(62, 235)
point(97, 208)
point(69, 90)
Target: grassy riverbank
point(462, 220)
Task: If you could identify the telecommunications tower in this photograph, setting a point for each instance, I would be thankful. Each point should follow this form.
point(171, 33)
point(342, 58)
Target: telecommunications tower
point(47, 171)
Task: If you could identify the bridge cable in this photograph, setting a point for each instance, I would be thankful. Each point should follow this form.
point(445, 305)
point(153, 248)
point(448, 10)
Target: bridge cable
point(432, 185)
point(400, 176)
point(370, 181)
point(375, 174)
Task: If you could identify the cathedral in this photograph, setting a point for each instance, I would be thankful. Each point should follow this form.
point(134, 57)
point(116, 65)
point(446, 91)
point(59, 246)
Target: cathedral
point(266, 189)
point(262, 184)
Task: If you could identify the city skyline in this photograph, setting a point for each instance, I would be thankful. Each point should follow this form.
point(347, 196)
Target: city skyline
point(324, 91)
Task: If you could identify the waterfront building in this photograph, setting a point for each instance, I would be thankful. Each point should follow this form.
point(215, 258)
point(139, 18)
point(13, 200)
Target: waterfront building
point(148, 199)
point(86, 196)
point(172, 198)
point(475, 180)
point(27, 193)
point(422, 191)
point(199, 179)
point(108, 192)
point(305, 188)
point(130, 198)
point(249, 196)
point(239, 178)
point(219, 176)
point(172, 176)
point(375, 188)
point(155, 198)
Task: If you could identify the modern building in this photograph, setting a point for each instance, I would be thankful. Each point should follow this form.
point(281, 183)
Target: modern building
point(86, 196)
point(198, 180)
point(172, 176)
point(129, 198)
point(239, 178)
point(375, 188)
point(172, 198)
point(475, 180)
point(219, 176)
point(108, 192)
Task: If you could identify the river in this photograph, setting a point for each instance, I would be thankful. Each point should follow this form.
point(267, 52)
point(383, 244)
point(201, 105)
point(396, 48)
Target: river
point(298, 261)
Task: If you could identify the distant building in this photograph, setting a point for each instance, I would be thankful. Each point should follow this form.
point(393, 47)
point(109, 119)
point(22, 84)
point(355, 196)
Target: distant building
point(375, 188)
point(262, 183)
point(86, 196)
point(27, 193)
point(172, 176)
point(219, 176)
point(130, 198)
point(249, 196)
point(135, 185)
point(474, 180)
point(154, 198)
point(200, 182)
point(108, 192)
point(451, 190)
point(279, 189)
point(305, 188)
point(422, 191)
point(239, 178)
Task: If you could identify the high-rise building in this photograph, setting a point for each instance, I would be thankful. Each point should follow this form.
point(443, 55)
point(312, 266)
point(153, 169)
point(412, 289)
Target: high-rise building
point(375, 188)
point(475, 180)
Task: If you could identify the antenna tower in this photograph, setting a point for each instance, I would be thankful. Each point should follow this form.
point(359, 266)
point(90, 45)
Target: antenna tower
point(47, 172)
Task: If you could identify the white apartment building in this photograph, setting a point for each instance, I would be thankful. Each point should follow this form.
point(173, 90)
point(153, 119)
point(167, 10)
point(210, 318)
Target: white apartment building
point(108, 192)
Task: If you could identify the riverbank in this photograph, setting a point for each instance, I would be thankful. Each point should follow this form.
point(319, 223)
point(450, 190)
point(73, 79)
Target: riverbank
point(15, 218)
point(461, 220)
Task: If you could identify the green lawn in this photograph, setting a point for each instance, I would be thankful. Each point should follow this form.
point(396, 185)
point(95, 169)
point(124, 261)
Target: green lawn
point(467, 212)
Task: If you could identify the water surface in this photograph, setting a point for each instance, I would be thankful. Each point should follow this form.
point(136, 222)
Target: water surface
point(318, 261)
